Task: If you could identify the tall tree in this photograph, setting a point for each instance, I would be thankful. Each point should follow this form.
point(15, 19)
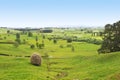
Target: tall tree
point(18, 38)
point(111, 40)
point(17, 35)
point(30, 34)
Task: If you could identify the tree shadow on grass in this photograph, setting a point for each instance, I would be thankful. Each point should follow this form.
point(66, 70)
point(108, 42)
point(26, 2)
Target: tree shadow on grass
point(109, 57)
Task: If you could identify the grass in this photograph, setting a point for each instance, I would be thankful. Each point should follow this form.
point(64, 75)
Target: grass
point(97, 67)
point(13, 68)
point(64, 64)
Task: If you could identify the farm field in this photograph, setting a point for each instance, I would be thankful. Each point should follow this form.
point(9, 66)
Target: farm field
point(76, 60)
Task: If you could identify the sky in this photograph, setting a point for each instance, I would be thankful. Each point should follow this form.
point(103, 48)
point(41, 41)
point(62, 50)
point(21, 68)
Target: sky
point(58, 13)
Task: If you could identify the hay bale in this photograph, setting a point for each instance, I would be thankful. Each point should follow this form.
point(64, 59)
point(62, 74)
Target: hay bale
point(36, 59)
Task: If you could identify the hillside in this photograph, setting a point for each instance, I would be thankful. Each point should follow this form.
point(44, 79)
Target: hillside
point(64, 63)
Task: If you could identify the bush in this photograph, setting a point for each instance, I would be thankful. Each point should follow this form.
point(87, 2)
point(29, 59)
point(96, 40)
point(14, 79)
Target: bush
point(36, 38)
point(37, 44)
point(8, 31)
point(49, 39)
point(89, 40)
point(30, 34)
point(16, 44)
point(35, 59)
point(54, 41)
point(41, 46)
point(17, 36)
point(43, 36)
point(69, 40)
point(32, 46)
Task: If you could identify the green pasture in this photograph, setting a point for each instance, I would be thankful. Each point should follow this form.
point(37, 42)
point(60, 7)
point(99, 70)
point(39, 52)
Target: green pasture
point(82, 63)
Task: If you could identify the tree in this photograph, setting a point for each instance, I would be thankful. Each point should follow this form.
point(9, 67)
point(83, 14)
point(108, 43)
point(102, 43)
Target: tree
point(111, 40)
point(40, 46)
point(30, 34)
point(17, 35)
point(16, 44)
point(32, 46)
point(37, 44)
point(8, 31)
point(54, 41)
point(43, 36)
point(36, 38)
point(18, 38)
point(69, 40)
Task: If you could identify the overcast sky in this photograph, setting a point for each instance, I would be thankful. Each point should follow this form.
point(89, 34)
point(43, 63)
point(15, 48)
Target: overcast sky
point(47, 13)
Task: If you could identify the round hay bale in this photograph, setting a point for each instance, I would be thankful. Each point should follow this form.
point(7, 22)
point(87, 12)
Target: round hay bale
point(36, 59)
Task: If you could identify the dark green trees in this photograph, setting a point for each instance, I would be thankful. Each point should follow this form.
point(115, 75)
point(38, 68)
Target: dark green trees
point(18, 38)
point(30, 34)
point(8, 31)
point(54, 41)
point(111, 40)
point(69, 40)
point(17, 35)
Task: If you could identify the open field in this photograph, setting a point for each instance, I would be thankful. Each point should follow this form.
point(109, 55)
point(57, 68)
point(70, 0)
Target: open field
point(82, 63)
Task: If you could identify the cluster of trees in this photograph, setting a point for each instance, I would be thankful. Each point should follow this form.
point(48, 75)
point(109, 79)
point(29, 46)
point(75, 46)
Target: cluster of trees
point(111, 40)
point(46, 31)
point(35, 29)
point(89, 40)
point(18, 39)
point(38, 45)
point(69, 39)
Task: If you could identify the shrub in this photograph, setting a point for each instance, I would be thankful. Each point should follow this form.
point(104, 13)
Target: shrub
point(41, 46)
point(30, 34)
point(17, 36)
point(16, 44)
point(36, 38)
point(36, 59)
point(8, 31)
point(69, 40)
point(32, 46)
point(37, 44)
point(43, 36)
point(54, 41)
point(49, 39)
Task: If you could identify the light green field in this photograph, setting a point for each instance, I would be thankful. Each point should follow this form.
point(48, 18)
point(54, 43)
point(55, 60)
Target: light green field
point(83, 63)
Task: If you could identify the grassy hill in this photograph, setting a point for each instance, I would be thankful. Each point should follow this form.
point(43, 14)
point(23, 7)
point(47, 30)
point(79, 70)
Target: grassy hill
point(84, 63)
